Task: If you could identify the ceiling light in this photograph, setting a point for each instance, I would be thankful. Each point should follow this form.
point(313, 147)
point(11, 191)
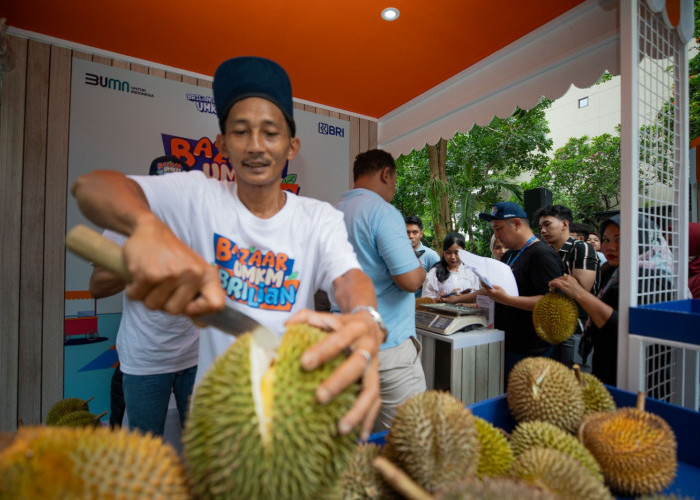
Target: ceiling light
point(390, 14)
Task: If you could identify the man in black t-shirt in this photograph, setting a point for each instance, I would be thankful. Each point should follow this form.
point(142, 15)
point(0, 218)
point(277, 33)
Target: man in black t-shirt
point(581, 262)
point(534, 265)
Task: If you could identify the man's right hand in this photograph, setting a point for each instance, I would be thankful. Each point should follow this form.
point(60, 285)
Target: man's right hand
point(167, 274)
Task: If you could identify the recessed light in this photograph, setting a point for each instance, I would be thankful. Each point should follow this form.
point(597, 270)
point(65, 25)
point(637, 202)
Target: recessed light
point(390, 14)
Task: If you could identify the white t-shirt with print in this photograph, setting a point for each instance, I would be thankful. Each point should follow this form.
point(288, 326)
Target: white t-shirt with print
point(269, 268)
point(153, 342)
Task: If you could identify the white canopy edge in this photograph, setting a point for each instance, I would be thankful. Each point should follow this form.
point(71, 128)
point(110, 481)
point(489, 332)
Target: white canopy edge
point(575, 48)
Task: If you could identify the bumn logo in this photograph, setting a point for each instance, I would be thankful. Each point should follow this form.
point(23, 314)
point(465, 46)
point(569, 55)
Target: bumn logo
point(110, 83)
point(326, 129)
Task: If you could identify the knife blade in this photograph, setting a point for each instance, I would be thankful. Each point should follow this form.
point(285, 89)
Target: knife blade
point(91, 246)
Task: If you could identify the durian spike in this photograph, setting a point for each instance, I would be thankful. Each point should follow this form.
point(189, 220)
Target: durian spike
point(641, 399)
point(579, 376)
point(399, 480)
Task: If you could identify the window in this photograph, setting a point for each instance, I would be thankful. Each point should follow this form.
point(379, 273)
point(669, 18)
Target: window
point(583, 102)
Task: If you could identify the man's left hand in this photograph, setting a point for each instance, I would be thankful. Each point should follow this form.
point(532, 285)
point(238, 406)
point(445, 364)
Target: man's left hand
point(361, 335)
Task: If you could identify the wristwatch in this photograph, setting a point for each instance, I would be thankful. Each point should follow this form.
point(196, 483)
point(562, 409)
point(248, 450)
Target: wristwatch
point(375, 316)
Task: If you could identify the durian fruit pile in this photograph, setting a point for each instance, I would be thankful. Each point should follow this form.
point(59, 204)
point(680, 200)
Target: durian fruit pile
point(255, 429)
point(89, 462)
point(73, 412)
point(555, 317)
point(633, 451)
point(439, 448)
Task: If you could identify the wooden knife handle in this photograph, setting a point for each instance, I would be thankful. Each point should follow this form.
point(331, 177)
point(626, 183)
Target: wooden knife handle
point(91, 246)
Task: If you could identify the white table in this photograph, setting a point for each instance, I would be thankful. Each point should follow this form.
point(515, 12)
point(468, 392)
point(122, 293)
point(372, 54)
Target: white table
point(468, 364)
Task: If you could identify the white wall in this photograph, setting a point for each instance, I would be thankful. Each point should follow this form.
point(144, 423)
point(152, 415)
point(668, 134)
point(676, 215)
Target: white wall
point(601, 116)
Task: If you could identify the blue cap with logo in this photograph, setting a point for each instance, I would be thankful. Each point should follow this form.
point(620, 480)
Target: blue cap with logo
point(249, 76)
point(504, 210)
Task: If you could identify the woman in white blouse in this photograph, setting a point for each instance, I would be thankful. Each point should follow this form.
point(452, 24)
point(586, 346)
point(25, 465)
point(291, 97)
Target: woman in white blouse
point(450, 280)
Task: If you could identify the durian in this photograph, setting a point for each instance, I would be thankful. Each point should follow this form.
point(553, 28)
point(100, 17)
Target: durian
point(560, 473)
point(496, 455)
point(555, 317)
point(89, 462)
point(527, 435)
point(635, 449)
point(493, 488)
point(361, 480)
point(257, 431)
point(64, 407)
point(596, 396)
point(544, 389)
point(80, 418)
point(433, 438)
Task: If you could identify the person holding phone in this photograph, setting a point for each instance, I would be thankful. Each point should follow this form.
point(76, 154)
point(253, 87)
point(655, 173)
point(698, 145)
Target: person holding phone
point(450, 280)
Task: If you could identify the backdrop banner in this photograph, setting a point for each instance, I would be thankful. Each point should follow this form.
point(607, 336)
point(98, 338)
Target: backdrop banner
point(122, 120)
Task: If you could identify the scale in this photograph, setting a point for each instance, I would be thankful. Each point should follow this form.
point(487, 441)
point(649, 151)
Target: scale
point(450, 318)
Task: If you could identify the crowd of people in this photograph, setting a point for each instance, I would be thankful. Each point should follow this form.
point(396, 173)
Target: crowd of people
point(362, 254)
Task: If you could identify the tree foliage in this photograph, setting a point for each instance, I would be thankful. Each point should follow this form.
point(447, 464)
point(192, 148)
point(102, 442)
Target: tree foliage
point(480, 169)
point(584, 175)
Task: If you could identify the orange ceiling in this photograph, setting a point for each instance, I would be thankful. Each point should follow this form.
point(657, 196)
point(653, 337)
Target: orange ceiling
point(339, 53)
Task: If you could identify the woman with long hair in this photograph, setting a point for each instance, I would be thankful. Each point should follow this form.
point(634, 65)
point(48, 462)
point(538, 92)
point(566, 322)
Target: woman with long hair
point(449, 280)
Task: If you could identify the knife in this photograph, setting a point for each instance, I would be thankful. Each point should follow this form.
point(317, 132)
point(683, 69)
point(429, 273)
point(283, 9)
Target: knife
point(91, 246)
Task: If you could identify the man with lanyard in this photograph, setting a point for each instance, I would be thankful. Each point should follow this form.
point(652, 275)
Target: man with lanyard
point(581, 262)
point(534, 265)
point(427, 256)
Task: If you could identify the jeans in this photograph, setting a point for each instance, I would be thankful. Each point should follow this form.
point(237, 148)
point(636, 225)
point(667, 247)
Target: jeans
point(567, 352)
point(147, 398)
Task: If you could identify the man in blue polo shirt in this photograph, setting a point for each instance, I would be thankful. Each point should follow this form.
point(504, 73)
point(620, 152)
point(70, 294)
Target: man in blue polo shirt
point(378, 235)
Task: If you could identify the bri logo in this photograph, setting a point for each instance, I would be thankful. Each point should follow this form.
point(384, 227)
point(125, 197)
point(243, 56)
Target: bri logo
point(104, 81)
point(326, 129)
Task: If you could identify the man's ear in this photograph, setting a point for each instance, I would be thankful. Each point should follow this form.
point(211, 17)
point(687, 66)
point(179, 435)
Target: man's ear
point(385, 174)
point(221, 145)
point(566, 223)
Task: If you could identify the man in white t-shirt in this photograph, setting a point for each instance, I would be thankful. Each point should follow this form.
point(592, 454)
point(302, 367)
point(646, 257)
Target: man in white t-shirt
point(271, 250)
point(157, 351)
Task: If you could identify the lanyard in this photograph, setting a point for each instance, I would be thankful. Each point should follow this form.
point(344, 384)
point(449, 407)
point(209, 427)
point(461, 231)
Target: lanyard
point(527, 244)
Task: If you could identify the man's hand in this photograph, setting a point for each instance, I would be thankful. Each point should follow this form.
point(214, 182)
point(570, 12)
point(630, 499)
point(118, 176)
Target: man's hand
point(496, 293)
point(569, 285)
point(167, 274)
point(361, 335)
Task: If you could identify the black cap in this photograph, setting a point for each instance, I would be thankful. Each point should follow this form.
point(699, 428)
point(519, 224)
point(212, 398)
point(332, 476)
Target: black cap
point(248, 76)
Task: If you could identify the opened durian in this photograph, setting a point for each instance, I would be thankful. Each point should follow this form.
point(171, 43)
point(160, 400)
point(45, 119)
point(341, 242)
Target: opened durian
point(560, 473)
point(496, 455)
point(544, 389)
point(595, 395)
point(64, 407)
point(543, 434)
point(555, 317)
point(256, 429)
point(635, 449)
point(493, 488)
point(89, 462)
point(434, 439)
